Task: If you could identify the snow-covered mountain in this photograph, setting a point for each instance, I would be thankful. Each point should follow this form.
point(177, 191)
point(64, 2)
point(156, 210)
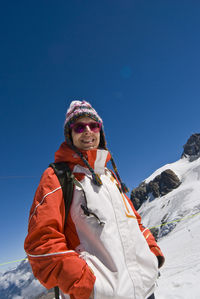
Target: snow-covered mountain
point(182, 202)
point(179, 212)
point(20, 283)
point(174, 217)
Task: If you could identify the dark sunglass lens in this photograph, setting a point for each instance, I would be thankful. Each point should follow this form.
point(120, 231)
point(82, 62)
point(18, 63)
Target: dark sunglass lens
point(79, 128)
point(95, 127)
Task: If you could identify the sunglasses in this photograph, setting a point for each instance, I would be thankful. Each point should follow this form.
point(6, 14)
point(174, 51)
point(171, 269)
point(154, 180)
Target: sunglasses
point(80, 127)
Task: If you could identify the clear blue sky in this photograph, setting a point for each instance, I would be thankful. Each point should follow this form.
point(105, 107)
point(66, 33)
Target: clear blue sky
point(136, 61)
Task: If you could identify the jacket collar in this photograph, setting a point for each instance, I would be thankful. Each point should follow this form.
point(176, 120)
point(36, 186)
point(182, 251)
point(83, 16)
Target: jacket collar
point(97, 158)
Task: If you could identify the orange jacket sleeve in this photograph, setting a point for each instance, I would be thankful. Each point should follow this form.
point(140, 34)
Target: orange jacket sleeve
point(53, 264)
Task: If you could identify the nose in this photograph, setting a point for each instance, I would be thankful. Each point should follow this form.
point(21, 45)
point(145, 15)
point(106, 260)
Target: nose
point(87, 129)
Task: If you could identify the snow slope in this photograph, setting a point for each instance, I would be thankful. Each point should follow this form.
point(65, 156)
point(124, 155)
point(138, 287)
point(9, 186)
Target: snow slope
point(179, 203)
point(179, 239)
point(180, 276)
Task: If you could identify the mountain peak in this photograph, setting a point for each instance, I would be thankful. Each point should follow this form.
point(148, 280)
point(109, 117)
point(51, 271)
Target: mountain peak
point(192, 147)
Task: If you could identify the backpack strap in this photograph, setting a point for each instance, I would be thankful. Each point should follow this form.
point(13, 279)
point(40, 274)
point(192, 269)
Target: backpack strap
point(66, 180)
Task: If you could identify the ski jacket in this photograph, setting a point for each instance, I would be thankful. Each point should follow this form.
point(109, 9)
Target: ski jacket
point(102, 247)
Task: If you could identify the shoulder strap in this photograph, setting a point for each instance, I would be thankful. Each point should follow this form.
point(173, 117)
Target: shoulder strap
point(66, 179)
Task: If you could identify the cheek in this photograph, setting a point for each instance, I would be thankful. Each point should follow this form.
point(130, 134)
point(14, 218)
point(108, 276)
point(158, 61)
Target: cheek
point(74, 138)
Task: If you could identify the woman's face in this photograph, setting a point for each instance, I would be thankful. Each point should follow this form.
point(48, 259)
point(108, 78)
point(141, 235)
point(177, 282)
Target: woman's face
point(88, 139)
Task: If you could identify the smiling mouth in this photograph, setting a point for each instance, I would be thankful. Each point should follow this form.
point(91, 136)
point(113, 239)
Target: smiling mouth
point(87, 141)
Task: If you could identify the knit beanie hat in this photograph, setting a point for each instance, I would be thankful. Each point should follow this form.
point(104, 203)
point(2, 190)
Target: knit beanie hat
point(79, 109)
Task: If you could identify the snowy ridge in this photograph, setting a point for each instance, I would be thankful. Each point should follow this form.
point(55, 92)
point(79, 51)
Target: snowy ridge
point(182, 168)
point(183, 201)
point(179, 240)
point(20, 283)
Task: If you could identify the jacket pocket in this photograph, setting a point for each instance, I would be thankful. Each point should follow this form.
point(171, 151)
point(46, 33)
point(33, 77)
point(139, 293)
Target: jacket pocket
point(106, 280)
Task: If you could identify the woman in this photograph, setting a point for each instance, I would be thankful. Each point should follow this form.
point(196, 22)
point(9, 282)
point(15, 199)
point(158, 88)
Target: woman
point(103, 251)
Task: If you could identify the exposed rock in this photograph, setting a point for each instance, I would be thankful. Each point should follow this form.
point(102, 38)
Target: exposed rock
point(139, 194)
point(153, 187)
point(155, 232)
point(168, 181)
point(192, 147)
point(48, 295)
point(136, 202)
point(159, 186)
point(165, 229)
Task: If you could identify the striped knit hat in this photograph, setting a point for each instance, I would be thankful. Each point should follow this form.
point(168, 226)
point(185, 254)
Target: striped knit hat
point(79, 109)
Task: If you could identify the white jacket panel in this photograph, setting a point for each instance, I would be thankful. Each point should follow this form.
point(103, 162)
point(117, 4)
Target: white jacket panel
point(116, 251)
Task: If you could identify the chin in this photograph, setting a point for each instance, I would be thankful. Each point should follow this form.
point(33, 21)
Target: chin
point(90, 148)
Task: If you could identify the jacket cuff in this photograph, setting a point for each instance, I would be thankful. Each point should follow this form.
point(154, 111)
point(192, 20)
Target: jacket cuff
point(158, 253)
point(83, 288)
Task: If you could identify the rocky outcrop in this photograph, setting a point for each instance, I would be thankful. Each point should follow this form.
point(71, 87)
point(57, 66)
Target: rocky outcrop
point(48, 295)
point(192, 147)
point(159, 186)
